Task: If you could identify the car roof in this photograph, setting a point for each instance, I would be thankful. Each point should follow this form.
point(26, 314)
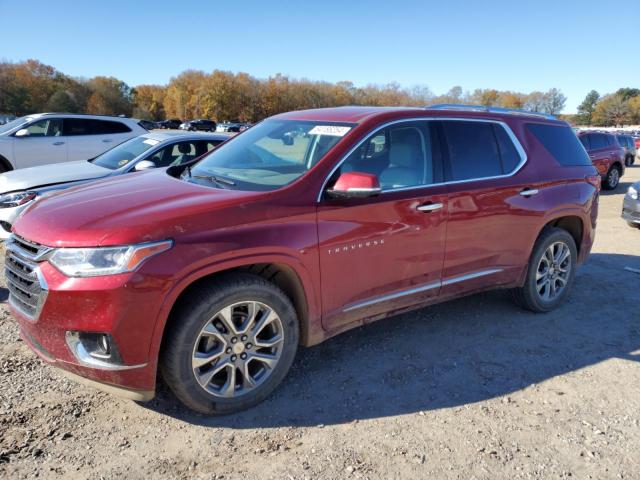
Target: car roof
point(358, 114)
point(177, 136)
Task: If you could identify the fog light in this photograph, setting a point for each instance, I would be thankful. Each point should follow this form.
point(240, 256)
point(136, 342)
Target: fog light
point(97, 350)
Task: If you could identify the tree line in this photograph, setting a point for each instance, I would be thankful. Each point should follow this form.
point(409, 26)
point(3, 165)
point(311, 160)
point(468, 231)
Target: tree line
point(31, 86)
point(611, 110)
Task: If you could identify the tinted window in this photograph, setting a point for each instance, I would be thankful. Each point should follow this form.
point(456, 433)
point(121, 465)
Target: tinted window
point(50, 127)
point(473, 150)
point(101, 127)
point(597, 141)
point(86, 126)
point(400, 156)
point(584, 139)
point(562, 143)
point(510, 156)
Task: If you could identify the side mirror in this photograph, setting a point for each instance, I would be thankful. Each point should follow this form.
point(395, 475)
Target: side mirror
point(144, 165)
point(23, 132)
point(355, 185)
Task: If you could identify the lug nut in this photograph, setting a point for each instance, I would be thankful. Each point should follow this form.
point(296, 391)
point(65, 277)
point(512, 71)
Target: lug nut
point(234, 340)
point(243, 356)
point(244, 337)
point(228, 350)
point(249, 345)
point(233, 358)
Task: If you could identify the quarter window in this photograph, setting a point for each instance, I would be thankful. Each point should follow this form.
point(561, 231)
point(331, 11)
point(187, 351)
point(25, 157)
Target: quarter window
point(561, 143)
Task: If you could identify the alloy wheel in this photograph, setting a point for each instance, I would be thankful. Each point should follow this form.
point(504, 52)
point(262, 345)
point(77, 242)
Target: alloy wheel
point(553, 271)
point(614, 178)
point(237, 349)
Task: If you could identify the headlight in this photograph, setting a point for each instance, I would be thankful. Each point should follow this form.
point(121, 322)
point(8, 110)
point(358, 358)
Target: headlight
point(93, 262)
point(633, 193)
point(10, 200)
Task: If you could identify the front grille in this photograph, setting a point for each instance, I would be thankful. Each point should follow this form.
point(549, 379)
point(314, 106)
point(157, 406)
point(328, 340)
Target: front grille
point(27, 289)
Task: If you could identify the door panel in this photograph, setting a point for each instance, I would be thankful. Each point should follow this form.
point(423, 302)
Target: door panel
point(381, 254)
point(490, 227)
point(44, 144)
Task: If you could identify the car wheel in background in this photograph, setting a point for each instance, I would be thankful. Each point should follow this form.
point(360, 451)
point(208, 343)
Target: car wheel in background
point(229, 344)
point(550, 272)
point(612, 179)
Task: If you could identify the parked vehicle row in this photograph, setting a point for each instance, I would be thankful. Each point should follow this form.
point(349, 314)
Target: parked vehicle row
point(20, 188)
point(608, 156)
point(310, 223)
point(45, 138)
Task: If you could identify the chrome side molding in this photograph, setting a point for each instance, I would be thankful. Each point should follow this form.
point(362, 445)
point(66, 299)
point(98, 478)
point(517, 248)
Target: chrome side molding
point(420, 289)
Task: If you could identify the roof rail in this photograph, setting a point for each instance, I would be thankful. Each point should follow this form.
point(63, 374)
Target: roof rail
point(483, 108)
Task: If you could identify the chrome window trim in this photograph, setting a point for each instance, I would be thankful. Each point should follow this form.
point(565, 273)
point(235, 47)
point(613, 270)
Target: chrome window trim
point(510, 134)
point(423, 288)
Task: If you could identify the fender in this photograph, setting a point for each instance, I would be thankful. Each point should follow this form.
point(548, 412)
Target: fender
point(306, 280)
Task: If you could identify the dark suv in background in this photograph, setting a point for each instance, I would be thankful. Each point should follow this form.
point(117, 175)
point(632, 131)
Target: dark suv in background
point(629, 144)
point(607, 155)
point(308, 224)
point(201, 124)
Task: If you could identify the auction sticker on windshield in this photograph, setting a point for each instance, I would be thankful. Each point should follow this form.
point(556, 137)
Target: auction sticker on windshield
point(331, 130)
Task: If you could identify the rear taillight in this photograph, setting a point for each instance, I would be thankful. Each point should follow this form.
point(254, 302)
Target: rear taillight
point(594, 180)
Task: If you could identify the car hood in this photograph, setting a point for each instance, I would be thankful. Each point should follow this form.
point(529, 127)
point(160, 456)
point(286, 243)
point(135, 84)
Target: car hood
point(27, 178)
point(127, 209)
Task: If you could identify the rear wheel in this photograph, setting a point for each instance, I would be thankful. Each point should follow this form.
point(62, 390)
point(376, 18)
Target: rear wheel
point(230, 344)
point(612, 179)
point(550, 273)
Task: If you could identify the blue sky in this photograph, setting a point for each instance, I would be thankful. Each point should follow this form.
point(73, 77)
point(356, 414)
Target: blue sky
point(572, 45)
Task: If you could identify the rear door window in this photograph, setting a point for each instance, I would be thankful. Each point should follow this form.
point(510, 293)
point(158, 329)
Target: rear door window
point(561, 142)
point(473, 151)
point(102, 127)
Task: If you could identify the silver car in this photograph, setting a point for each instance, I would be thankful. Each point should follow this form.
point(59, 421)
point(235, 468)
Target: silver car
point(18, 189)
point(631, 205)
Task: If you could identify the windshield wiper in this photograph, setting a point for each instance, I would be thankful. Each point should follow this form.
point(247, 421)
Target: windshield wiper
point(216, 179)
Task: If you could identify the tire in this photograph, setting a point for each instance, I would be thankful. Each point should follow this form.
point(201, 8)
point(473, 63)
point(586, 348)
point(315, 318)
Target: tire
point(627, 161)
point(186, 342)
point(529, 295)
point(612, 179)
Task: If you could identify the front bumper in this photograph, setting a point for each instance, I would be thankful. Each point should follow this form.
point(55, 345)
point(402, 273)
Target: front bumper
point(123, 306)
point(631, 210)
point(7, 217)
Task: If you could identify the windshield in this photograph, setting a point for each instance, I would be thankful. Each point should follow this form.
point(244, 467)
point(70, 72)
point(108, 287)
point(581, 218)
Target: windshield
point(268, 156)
point(124, 153)
point(13, 124)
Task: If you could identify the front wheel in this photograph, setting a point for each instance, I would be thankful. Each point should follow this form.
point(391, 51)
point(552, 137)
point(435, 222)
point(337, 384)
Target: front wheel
point(612, 179)
point(550, 272)
point(229, 344)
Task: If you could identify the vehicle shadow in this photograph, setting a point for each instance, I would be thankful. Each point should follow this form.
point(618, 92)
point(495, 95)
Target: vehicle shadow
point(4, 295)
point(621, 189)
point(449, 355)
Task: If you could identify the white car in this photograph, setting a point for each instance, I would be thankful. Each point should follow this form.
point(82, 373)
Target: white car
point(46, 138)
point(18, 190)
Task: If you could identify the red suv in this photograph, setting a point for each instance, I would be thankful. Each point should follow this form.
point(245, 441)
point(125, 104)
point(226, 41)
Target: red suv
point(305, 225)
point(607, 155)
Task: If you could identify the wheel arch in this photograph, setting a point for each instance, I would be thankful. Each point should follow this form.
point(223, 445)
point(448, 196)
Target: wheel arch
point(292, 278)
point(5, 165)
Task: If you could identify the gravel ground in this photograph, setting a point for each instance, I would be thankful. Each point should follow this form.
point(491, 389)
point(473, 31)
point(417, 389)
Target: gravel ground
point(474, 388)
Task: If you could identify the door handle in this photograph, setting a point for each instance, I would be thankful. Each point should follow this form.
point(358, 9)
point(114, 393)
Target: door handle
point(592, 156)
point(58, 143)
point(107, 140)
point(430, 207)
point(527, 192)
